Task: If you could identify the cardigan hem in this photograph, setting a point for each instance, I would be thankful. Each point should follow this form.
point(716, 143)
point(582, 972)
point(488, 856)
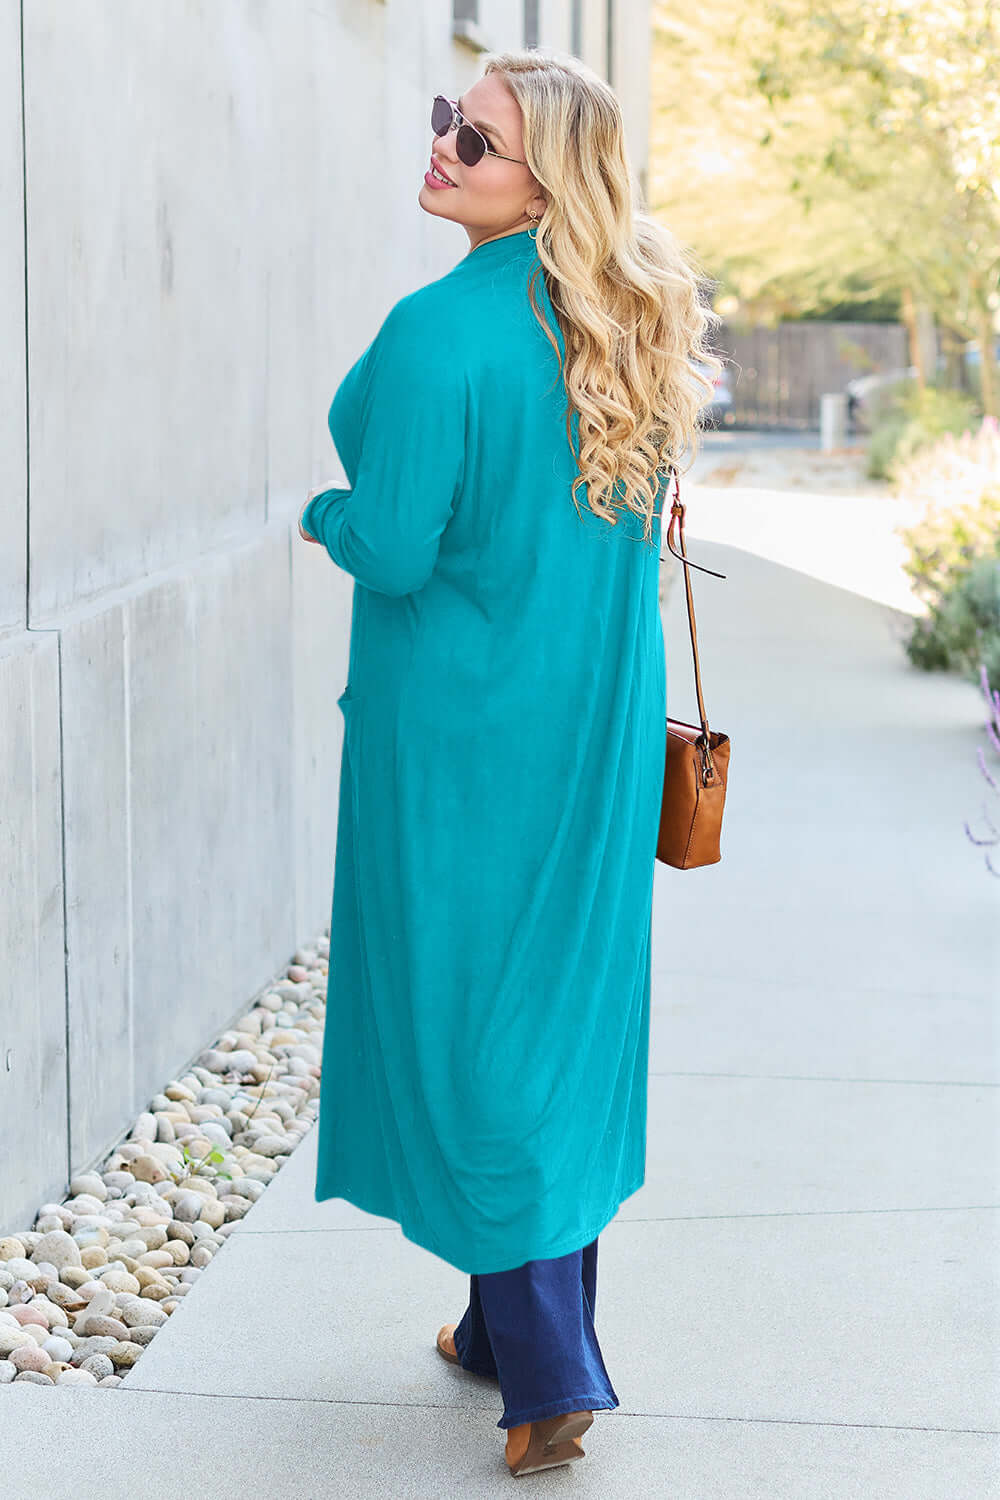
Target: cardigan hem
point(564, 1246)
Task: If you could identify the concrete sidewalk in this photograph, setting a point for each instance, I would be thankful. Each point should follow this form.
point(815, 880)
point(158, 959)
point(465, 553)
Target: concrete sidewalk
point(803, 1302)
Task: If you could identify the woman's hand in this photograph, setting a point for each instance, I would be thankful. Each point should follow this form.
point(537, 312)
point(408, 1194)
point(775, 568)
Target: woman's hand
point(305, 535)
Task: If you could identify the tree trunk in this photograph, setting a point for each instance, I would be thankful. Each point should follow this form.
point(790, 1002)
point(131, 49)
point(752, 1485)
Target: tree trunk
point(909, 314)
point(918, 319)
point(990, 375)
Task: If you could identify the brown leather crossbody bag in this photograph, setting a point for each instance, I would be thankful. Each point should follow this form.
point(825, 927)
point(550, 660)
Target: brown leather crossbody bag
point(697, 759)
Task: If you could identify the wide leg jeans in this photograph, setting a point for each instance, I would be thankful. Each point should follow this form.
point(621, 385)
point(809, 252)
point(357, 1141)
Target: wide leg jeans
point(532, 1330)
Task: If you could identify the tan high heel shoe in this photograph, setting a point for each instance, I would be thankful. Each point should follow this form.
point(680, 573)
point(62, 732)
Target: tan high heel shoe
point(446, 1343)
point(547, 1443)
point(532, 1445)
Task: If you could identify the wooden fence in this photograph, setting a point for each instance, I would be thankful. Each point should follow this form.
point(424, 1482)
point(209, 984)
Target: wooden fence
point(777, 375)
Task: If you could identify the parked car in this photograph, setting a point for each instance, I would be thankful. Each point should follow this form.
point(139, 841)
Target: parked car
point(715, 411)
point(972, 353)
point(863, 393)
point(972, 359)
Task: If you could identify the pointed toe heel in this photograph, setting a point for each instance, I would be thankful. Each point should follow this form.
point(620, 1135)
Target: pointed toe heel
point(548, 1443)
point(446, 1343)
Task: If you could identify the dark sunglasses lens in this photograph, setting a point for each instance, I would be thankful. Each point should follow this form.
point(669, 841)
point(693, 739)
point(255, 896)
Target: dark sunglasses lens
point(469, 144)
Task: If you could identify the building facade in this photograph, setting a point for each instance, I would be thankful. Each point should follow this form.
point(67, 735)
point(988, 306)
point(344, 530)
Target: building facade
point(209, 210)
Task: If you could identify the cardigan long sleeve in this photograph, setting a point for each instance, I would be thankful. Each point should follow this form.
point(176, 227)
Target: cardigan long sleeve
point(385, 528)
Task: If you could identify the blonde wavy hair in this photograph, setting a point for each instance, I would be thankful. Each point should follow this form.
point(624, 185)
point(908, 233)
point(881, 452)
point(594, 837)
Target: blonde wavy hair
point(625, 292)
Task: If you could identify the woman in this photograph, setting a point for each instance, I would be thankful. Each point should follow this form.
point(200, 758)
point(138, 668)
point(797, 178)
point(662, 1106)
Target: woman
point(485, 1056)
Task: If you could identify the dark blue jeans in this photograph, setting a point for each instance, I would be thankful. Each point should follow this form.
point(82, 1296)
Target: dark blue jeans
point(532, 1329)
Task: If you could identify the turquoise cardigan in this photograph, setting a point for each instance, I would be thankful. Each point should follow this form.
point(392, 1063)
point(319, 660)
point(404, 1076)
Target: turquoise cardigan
point(486, 1046)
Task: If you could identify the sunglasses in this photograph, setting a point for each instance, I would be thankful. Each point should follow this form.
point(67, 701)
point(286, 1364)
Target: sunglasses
point(470, 144)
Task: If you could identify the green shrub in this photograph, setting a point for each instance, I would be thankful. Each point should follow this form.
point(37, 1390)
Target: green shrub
point(883, 442)
point(961, 633)
point(954, 552)
point(908, 419)
point(946, 543)
point(886, 420)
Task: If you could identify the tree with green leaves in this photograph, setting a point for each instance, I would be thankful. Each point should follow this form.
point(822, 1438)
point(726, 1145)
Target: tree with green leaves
point(809, 148)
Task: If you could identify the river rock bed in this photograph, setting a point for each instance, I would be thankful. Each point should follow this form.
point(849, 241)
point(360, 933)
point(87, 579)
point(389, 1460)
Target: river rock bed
point(87, 1288)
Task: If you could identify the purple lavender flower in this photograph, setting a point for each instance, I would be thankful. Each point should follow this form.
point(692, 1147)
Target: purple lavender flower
point(992, 696)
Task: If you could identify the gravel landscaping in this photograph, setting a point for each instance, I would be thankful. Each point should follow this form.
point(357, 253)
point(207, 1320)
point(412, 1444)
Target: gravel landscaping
point(87, 1288)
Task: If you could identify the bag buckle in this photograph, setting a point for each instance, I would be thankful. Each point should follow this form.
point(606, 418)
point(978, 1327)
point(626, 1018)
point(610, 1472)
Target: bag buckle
point(708, 771)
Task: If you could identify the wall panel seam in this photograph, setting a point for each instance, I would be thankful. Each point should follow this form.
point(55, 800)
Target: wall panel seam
point(24, 241)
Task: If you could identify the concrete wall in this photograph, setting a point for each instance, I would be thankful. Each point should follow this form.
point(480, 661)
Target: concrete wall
point(208, 209)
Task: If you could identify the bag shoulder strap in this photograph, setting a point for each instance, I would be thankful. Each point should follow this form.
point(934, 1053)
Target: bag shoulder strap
point(677, 510)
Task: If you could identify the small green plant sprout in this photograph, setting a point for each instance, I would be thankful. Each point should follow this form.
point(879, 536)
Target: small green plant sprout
point(191, 1164)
